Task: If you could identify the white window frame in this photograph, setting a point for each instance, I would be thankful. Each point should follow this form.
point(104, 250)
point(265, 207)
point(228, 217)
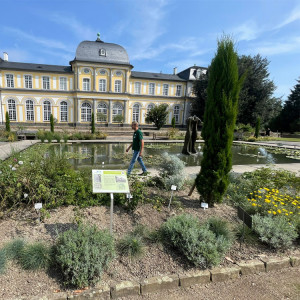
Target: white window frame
point(102, 108)
point(102, 85)
point(150, 88)
point(12, 109)
point(9, 81)
point(46, 110)
point(118, 86)
point(63, 83)
point(86, 112)
point(28, 81)
point(46, 82)
point(86, 84)
point(176, 113)
point(117, 110)
point(29, 108)
point(178, 90)
point(137, 87)
point(135, 112)
point(63, 111)
point(165, 89)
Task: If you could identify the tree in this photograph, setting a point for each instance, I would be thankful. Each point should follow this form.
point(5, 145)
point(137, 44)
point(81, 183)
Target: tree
point(257, 127)
point(158, 115)
point(289, 118)
point(173, 122)
point(51, 123)
point(223, 90)
point(256, 98)
point(200, 91)
point(93, 123)
point(7, 122)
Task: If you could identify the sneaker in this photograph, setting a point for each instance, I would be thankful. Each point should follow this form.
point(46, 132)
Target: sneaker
point(144, 173)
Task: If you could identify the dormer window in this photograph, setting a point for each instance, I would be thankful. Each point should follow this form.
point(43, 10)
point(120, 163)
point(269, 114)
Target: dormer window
point(102, 52)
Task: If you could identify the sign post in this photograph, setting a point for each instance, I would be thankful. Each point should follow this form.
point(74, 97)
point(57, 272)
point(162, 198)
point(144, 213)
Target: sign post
point(173, 188)
point(110, 181)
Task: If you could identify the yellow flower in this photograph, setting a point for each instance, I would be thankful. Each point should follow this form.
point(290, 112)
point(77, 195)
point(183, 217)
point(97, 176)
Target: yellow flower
point(269, 212)
point(279, 211)
point(267, 201)
point(275, 205)
point(274, 212)
point(286, 214)
point(254, 204)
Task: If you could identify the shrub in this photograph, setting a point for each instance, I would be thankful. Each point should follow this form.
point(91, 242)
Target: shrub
point(194, 241)
point(247, 234)
point(7, 122)
point(14, 249)
point(81, 255)
point(173, 122)
point(52, 123)
point(131, 245)
point(57, 137)
point(49, 136)
point(172, 133)
point(65, 137)
point(93, 124)
point(3, 260)
point(219, 227)
point(118, 118)
point(41, 135)
point(172, 171)
point(35, 256)
point(257, 127)
point(276, 232)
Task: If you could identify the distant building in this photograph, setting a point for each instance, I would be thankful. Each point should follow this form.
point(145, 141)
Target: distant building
point(98, 81)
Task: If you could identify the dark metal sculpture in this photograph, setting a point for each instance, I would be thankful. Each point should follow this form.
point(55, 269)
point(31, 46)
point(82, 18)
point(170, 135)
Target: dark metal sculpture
point(191, 135)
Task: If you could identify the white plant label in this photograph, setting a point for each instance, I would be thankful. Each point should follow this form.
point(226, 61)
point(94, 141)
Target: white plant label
point(38, 205)
point(173, 187)
point(204, 205)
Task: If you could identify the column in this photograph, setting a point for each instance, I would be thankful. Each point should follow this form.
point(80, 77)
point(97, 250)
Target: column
point(94, 110)
point(95, 84)
point(184, 113)
point(126, 80)
point(125, 111)
point(77, 87)
point(78, 110)
point(110, 112)
point(110, 80)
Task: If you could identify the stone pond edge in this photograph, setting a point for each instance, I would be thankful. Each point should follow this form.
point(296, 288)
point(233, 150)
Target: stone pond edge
point(174, 281)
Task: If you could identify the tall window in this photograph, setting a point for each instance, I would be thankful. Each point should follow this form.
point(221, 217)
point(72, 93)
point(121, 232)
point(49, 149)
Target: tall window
point(135, 113)
point(46, 83)
point(63, 83)
point(102, 112)
point(86, 84)
point(86, 112)
point(12, 111)
point(117, 110)
point(165, 89)
point(47, 110)
point(118, 84)
point(151, 88)
point(137, 87)
point(29, 110)
point(63, 111)
point(149, 107)
point(10, 80)
point(28, 81)
point(102, 85)
point(178, 90)
point(176, 113)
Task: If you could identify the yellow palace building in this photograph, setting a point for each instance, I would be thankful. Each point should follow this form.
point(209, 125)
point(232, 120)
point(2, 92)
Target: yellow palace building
point(98, 81)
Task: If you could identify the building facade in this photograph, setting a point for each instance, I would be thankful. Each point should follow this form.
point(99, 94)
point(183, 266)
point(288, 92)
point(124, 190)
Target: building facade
point(99, 81)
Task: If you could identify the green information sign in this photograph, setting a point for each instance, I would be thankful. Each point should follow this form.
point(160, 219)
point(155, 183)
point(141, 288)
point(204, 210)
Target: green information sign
point(110, 181)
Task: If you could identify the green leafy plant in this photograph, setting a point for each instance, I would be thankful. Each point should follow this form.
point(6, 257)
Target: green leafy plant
point(57, 137)
point(219, 227)
point(93, 124)
point(173, 122)
point(3, 260)
point(131, 245)
point(257, 127)
point(158, 115)
point(118, 118)
point(49, 136)
point(277, 232)
point(82, 255)
point(194, 241)
point(41, 135)
point(14, 249)
point(7, 122)
point(52, 123)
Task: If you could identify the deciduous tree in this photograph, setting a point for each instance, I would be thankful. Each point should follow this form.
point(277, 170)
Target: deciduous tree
point(158, 115)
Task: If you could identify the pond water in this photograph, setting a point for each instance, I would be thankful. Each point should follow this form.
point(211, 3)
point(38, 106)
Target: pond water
point(112, 155)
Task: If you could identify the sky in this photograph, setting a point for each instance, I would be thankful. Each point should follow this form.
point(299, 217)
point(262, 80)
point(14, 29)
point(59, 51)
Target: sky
point(157, 34)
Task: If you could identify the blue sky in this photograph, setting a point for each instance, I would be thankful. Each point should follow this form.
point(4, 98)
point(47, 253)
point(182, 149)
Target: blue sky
point(157, 34)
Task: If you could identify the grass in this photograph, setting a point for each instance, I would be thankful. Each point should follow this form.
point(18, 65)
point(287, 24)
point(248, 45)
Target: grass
point(132, 246)
point(14, 249)
point(3, 260)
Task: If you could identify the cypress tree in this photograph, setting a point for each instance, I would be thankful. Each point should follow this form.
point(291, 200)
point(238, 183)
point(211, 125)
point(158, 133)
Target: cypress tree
point(51, 123)
point(173, 122)
point(93, 123)
point(257, 127)
point(220, 115)
point(7, 122)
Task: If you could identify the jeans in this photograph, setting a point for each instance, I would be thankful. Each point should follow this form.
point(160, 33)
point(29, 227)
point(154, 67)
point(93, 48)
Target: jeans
point(135, 158)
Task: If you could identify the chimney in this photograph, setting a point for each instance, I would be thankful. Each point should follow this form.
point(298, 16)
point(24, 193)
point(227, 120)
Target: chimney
point(175, 71)
point(5, 56)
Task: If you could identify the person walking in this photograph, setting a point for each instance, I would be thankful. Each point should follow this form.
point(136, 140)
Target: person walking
point(137, 146)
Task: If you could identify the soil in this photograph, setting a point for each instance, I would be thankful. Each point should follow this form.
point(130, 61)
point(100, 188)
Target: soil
point(16, 283)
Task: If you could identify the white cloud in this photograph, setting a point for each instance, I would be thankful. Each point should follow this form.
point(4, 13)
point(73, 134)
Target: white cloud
point(246, 32)
point(294, 16)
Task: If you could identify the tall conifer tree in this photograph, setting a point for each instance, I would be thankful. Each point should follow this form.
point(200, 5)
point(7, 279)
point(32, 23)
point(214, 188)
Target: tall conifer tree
point(221, 109)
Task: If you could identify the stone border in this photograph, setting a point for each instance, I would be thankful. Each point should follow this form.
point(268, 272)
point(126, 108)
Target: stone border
point(166, 282)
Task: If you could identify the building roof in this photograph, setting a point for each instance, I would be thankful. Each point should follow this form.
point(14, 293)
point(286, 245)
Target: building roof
point(156, 76)
point(9, 65)
point(98, 51)
point(187, 75)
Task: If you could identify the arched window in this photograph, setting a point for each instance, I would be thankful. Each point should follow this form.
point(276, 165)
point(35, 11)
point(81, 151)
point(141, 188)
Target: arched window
point(149, 107)
point(12, 111)
point(102, 112)
point(86, 112)
point(29, 110)
point(47, 110)
point(135, 113)
point(117, 110)
point(176, 113)
point(63, 111)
